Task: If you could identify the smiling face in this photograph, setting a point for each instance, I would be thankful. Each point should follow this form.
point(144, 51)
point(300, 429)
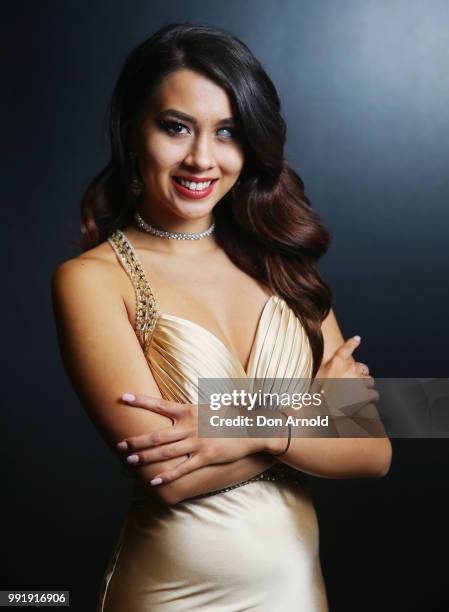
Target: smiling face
point(187, 139)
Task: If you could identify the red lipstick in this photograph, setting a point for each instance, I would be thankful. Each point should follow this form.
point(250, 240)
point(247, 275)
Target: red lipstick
point(190, 193)
point(197, 179)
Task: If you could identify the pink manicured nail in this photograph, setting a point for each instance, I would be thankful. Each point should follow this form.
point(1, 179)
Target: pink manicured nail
point(357, 338)
point(122, 445)
point(133, 459)
point(156, 480)
point(128, 397)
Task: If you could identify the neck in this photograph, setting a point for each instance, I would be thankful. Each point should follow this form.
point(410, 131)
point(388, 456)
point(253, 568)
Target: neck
point(161, 220)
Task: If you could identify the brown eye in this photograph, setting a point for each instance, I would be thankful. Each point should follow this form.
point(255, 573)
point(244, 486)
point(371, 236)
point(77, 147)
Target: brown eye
point(172, 128)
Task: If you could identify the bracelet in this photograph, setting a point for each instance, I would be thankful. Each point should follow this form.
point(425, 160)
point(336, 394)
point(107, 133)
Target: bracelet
point(288, 442)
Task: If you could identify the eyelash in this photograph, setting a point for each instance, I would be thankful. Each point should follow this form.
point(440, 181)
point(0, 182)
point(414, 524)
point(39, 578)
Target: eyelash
point(168, 126)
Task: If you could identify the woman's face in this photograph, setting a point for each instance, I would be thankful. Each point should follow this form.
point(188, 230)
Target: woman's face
point(188, 134)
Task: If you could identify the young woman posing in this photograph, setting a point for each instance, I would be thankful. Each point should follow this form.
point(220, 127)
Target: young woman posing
point(200, 211)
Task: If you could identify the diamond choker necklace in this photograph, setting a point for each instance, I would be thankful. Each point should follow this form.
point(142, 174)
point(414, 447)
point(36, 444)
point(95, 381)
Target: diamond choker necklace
point(146, 227)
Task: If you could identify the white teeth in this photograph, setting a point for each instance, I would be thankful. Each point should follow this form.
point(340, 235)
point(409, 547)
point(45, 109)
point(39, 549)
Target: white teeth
point(195, 186)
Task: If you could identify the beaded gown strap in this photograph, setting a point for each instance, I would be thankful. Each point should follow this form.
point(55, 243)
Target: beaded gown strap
point(147, 311)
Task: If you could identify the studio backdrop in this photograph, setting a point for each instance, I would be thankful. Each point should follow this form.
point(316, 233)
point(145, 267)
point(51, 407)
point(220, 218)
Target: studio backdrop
point(364, 86)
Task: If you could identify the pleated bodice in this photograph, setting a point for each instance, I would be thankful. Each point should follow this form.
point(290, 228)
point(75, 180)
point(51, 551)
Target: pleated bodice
point(180, 351)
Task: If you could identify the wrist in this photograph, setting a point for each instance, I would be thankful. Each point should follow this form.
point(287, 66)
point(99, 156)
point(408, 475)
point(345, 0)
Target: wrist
point(275, 446)
point(272, 445)
point(283, 443)
point(266, 445)
point(256, 445)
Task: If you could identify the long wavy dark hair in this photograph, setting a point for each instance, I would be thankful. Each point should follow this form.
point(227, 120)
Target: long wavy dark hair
point(265, 223)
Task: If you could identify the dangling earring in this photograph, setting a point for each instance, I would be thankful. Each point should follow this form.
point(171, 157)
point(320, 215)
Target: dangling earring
point(136, 184)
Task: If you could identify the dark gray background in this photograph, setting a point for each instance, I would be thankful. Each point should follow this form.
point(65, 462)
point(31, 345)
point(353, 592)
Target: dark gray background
point(365, 93)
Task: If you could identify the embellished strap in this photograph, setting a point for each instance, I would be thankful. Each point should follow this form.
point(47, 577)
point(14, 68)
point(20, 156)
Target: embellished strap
point(147, 311)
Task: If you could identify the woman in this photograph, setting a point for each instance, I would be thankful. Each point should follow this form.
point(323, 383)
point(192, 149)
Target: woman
point(199, 210)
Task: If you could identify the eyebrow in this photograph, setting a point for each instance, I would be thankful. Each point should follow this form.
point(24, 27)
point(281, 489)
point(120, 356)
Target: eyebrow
point(184, 117)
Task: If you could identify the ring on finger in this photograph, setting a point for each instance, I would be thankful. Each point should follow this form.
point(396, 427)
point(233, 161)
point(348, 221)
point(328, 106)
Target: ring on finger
point(364, 370)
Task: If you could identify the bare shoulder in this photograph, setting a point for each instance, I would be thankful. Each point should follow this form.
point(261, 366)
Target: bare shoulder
point(95, 265)
point(96, 261)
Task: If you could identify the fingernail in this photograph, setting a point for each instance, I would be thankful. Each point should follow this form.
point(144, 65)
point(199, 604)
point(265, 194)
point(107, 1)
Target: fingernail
point(156, 480)
point(357, 338)
point(133, 459)
point(128, 397)
point(122, 445)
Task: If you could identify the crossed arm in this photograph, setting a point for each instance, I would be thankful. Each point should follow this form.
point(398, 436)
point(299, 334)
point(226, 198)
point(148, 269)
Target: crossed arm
point(103, 359)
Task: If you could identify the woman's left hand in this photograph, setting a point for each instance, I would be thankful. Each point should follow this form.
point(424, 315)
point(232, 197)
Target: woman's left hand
point(180, 439)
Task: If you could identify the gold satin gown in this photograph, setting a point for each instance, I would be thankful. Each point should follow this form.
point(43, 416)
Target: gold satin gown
point(251, 546)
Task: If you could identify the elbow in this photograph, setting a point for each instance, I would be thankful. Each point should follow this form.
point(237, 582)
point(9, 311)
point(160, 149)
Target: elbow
point(382, 458)
point(166, 494)
point(372, 459)
point(173, 493)
point(169, 494)
point(169, 498)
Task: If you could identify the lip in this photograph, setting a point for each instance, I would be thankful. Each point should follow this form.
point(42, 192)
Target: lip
point(196, 179)
point(194, 195)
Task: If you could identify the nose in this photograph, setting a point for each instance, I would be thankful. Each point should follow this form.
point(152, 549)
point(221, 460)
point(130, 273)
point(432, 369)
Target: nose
point(200, 154)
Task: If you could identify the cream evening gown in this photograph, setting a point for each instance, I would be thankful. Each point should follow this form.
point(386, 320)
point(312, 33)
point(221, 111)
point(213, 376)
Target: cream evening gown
point(252, 546)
